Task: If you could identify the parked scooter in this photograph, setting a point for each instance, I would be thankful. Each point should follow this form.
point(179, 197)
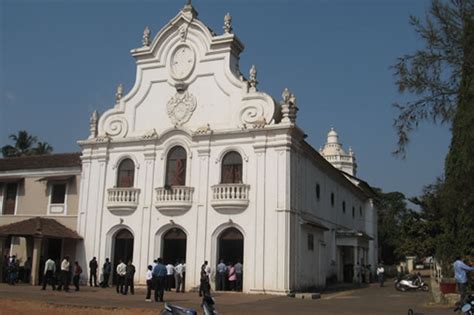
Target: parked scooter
point(467, 307)
point(411, 282)
point(207, 306)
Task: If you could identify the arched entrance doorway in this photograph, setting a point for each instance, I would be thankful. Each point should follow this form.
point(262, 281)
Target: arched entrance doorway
point(231, 251)
point(123, 249)
point(174, 246)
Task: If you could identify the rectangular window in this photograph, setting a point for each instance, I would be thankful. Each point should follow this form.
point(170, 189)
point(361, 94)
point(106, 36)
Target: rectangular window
point(310, 241)
point(58, 193)
point(9, 201)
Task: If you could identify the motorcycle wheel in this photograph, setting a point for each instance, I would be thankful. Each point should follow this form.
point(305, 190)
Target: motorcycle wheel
point(403, 289)
point(425, 288)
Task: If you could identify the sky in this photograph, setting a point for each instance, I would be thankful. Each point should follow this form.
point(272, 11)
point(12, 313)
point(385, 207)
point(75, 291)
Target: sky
point(62, 59)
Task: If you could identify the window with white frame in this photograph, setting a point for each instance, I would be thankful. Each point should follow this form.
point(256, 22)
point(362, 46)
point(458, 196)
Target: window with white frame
point(57, 201)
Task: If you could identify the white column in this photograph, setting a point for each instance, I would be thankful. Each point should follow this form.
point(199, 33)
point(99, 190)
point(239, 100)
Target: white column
point(38, 242)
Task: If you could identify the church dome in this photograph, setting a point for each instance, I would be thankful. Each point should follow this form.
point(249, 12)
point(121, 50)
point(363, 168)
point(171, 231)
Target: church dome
point(333, 137)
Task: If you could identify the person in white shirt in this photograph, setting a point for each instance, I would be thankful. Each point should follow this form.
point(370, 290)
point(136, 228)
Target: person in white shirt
point(169, 276)
point(221, 276)
point(149, 283)
point(121, 272)
point(381, 274)
point(65, 274)
point(49, 270)
point(178, 277)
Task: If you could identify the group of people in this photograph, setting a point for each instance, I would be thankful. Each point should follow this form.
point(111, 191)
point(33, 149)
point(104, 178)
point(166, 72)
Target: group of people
point(60, 277)
point(229, 277)
point(12, 272)
point(161, 277)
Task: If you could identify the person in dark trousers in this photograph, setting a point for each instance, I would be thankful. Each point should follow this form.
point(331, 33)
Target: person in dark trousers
point(27, 270)
point(13, 271)
point(159, 278)
point(106, 270)
point(77, 275)
point(121, 272)
point(149, 283)
point(204, 287)
point(130, 273)
point(221, 275)
point(239, 273)
point(65, 274)
point(93, 272)
point(48, 274)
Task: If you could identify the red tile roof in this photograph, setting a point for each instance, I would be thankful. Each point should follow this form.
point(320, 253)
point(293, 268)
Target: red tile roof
point(40, 161)
point(38, 226)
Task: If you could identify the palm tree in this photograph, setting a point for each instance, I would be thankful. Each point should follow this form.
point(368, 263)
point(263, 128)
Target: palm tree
point(43, 148)
point(24, 143)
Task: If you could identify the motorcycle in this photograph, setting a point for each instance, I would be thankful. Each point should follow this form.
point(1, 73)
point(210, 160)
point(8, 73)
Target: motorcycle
point(411, 282)
point(207, 306)
point(467, 307)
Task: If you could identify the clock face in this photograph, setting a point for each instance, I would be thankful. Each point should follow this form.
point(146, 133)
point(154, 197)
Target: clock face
point(182, 62)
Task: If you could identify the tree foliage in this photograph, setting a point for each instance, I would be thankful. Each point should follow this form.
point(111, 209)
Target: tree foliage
point(24, 145)
point(432, 74)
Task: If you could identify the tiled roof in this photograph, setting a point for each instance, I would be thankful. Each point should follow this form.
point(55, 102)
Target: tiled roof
point(40, 161)
point(38, 226)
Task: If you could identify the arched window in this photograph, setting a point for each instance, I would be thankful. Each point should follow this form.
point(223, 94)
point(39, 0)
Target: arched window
point(176, 167)
point(126, 173)
point(231, 168)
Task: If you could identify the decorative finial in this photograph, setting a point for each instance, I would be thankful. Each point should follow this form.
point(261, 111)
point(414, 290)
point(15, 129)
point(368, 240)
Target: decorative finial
point(119, 93)
point(146, 37)
point(227, 23)
point(288, 107)
point(253, 78)
point(93, 124)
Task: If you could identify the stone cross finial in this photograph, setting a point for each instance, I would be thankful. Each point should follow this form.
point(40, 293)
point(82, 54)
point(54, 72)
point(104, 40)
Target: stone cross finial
point(146, 37)
point(253, 78)
point(119, 93)
point(288, 107)
point(227, 23)
point(93, 125)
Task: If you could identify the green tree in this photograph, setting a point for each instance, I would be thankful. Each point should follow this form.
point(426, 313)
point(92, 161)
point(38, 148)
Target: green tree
point(432, 74)
point(441, 77)
point(24, 145)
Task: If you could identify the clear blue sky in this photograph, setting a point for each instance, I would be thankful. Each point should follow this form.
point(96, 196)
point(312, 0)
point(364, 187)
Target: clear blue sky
point(60, 60)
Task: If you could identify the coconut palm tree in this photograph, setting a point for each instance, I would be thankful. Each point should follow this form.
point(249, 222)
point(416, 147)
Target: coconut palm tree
point(23, 145)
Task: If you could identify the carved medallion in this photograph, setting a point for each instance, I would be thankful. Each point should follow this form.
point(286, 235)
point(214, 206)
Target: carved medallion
point(182, 62)
point(181, 107)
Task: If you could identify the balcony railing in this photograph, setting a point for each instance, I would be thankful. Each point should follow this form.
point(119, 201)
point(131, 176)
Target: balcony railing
point(174, 198)
point(230, 197)
point(123, 199)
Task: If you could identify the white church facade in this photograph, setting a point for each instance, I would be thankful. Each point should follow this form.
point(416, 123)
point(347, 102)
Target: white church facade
point(194, 163)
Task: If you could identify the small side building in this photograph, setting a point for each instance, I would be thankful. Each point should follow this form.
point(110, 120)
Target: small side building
point(38, 208)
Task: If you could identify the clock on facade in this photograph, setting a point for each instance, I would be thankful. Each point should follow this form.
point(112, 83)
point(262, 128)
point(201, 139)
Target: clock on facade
point(182, 62)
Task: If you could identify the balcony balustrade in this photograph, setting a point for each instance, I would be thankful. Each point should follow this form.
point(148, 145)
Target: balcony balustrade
point(174, 198)
point(123, 199)
point(230, 197)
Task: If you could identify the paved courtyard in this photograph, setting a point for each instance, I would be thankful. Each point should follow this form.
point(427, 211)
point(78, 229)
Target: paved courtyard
point(24, 299)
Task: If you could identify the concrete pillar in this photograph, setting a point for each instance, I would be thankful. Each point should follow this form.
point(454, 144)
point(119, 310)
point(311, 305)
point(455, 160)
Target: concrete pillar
point(38, 242)
point(356, 267)
point(2, 246)
point(410, 263)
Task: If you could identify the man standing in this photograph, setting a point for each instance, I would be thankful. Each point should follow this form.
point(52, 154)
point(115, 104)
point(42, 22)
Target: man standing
point(178, 277)
point(381, 274)
point(159, 276)
point(49, 270)
point(221, 275)
point(106, 270)
point(77, 275)
point(64, 282)
point(169, 276)
point(130, 273)
point(460, 269)
point(93, 272)
point(239, 269)
point(121, 272)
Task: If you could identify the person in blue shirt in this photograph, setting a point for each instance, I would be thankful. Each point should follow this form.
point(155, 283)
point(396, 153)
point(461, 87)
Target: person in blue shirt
point(159, 279)
point(460, 274)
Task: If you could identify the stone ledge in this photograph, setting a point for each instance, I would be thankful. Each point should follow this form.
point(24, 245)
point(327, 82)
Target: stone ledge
point(305, 296)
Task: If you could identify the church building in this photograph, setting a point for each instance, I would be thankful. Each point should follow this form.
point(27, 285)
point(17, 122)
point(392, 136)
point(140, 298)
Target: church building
point(194, 163)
